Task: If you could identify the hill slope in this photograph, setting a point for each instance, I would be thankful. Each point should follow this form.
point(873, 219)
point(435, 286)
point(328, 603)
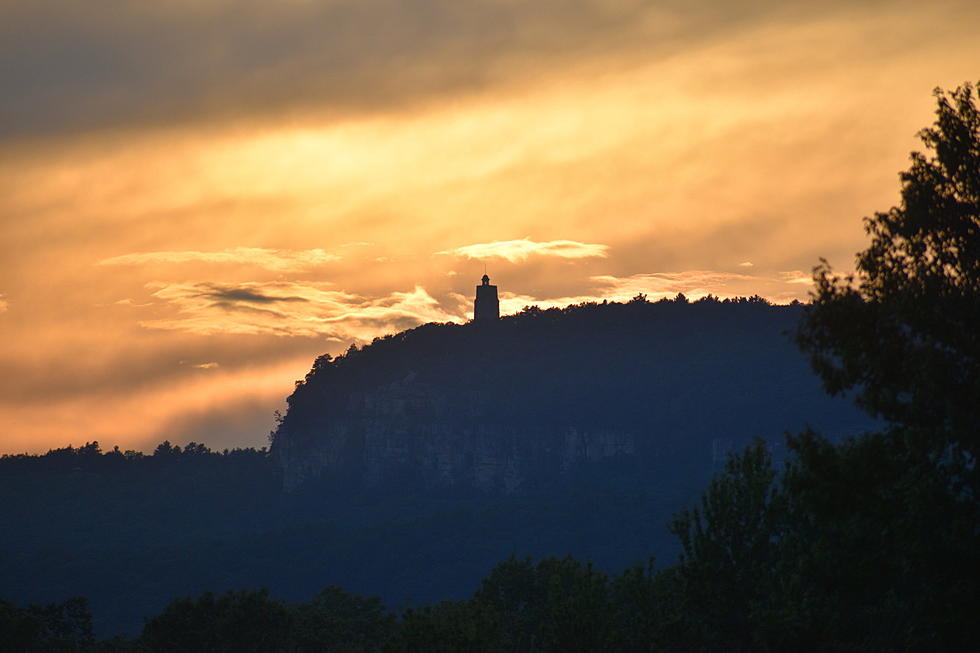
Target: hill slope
point(418, 462)
point(535, 398)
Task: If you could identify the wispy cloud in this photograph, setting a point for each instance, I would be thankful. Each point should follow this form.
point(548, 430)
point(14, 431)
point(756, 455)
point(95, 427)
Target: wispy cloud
point(128, 301)
point(797, 277)
point(693, 283)
point(3, 304)
point(278, 260)
point(779, 287)
point(519, 250)
point(192, 59)
point(515, 302)
point(293, 309)
point(181, 410)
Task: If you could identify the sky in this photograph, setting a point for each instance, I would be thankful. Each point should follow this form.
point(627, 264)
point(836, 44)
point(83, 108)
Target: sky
point(197, 197)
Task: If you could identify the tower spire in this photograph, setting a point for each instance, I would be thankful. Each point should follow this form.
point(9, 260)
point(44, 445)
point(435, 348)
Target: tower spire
point(486, 307)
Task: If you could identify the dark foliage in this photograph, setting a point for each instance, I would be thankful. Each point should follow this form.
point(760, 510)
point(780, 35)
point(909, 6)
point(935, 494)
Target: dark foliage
point(589, 364)
point(243, 621)
point(341, 623)
point(904, 330)
point(862, 546)
point(871, 544)
point(881, 531)
point(723, 580)
point(52, 628)
point(125, 528)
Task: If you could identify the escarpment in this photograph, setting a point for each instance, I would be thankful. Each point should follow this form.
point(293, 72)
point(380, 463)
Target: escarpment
point(544, 396)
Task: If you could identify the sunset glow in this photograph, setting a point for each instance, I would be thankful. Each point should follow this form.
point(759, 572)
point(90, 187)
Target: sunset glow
point(188, 219)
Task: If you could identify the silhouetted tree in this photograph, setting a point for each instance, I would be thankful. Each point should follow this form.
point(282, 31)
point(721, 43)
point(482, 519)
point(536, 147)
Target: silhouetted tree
point(340, 622)
point(558, 604)
point(874, 551)
point(904, 330)
point(237, 621)
point(52, 628)
point(885, 525)
point(166, 450)
point(723, 580)
point(18, 631)
point(637, 610)
point(448, 627)
point(554, 605)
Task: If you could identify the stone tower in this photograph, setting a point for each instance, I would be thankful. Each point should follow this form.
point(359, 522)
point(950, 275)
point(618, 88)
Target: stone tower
point(486, 307)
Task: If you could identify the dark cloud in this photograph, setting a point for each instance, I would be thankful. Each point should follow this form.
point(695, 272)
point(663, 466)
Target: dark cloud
point(229, 296)
point(66, 65)
point(131, 366)
point(323, 311)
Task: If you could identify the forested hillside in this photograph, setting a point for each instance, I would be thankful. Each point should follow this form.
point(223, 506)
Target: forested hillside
point(536, 397)
point(678, 383)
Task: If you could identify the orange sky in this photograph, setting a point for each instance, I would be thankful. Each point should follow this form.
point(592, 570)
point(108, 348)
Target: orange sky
point(196, 198)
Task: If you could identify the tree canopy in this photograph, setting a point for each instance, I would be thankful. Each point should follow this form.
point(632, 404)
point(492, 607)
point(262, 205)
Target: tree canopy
point(903, 331)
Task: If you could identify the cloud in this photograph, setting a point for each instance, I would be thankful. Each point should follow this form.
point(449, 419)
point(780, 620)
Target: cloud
point(671, 131)
point(270, 259)
point(129, 365)
point(131, 63)
point(797, 277)
point(745, 264)
point(128, 301)
point(515, 302)
point(206, 366)
point(694, 284)
point(234, 296)
point(782, 287)
point(82, 66)
point(144, 416)
point(292, 309)
point(519, 250)
point(3, 304)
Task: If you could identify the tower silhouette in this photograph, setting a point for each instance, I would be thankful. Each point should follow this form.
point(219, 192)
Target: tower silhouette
point(486, 307)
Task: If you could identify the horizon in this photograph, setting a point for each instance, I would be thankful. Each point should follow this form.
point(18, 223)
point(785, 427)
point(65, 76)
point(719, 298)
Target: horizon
point(197, 202)
point(150, 448)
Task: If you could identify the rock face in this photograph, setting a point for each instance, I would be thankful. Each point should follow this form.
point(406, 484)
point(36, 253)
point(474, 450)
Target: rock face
point(544, 396)
point(381, 437)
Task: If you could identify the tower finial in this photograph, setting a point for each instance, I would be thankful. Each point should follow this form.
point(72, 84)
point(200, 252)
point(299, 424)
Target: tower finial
point(487, 305)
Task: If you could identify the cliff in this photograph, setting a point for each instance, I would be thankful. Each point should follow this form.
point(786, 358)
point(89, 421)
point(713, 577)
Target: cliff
point(541, 397)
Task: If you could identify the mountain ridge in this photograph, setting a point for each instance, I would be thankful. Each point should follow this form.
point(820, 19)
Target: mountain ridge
point(529, 398)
